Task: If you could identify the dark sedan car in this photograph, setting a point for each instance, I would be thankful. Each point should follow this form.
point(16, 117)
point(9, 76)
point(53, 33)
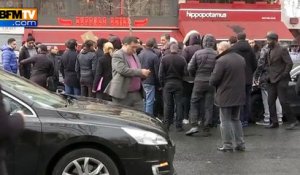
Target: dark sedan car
point(65, 136)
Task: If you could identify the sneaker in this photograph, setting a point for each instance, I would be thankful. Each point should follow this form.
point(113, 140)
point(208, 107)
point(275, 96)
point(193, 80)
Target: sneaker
point(192, 131)
point(263, 123)
point(185, 121)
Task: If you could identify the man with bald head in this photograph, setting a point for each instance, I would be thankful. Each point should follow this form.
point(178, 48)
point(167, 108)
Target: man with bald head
point(229, 79)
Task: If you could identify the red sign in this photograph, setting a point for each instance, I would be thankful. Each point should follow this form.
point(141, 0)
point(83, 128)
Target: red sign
point(229, 15)
point(101, 21)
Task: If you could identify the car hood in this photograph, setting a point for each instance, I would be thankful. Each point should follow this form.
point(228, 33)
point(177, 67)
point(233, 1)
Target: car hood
point(103, 112)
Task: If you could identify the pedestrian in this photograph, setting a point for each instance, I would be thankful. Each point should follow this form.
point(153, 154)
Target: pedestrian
point(165, 41)
point(149, 60)
point(229, 79)
point(28, 50)
point(141, 47)
point(126, 84)
point(243, 48)
point(67, 69)
point(255, 48)
point(103, 72)
point(202, 101)
point(54, 80)
point(171, 72)
point(279, 65)
point(186, 41)
point(11, 126)
point(260, 80)
point(116, 41)
point(86, 68)
point(42, 66)
point(193, 46)
point(100, 45)
point(232, 40)
point(9, 58)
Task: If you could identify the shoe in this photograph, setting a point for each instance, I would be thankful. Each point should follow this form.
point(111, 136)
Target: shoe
point(180, 129)
point(272, 126)
point(263, 123)
point(292, 126)
point(192, 131)
point(185, 121)
point(223, 149)
point(240, 148)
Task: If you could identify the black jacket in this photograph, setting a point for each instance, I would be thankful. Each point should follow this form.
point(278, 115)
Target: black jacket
point(103, 70)
point(56, 65)
point(172, 68)
point(86, 67)
point(202, 64)
point(67, 68)
point(25, 69)
point(229, 79)
point(149, 60)
point(244, 49)
point(41, 70)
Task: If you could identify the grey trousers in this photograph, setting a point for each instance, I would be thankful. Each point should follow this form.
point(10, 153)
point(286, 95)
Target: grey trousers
point(133, 99)
point(231, 126)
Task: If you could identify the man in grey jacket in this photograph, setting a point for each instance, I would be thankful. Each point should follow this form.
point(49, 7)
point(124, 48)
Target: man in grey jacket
point(201, 67)
point(126, 84)
point(229, 79)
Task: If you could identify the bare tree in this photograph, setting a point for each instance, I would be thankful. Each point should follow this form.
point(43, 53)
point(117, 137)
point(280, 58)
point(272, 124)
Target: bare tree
point(131, 8)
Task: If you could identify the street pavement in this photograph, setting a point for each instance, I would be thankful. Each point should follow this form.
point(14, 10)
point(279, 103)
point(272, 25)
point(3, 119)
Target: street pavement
point(269, 152)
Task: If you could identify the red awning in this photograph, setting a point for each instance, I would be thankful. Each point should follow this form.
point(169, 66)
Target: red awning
point(59, 36)
point(223, 30)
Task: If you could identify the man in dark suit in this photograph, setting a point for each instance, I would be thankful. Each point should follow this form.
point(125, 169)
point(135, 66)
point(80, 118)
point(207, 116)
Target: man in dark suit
point(279, 65)
point(10, 126)
point(229, 79)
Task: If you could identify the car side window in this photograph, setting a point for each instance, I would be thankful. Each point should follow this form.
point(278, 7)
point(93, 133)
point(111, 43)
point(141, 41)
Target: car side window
point(12, 106)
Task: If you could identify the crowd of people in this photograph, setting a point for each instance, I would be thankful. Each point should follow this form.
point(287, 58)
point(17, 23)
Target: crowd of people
point(198, 81)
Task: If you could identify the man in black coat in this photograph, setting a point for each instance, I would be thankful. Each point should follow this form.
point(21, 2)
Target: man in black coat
point(10, 126)
point(229, 79)
point(171, 73)
point(149, 60)
point(26, 51)
point(67, 68)
point(279, 65)
point(243, 48)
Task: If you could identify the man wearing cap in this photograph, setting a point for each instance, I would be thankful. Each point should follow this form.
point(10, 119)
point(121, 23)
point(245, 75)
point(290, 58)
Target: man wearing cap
point(279, 65)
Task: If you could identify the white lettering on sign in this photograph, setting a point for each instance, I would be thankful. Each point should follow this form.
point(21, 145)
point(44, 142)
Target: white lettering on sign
point(205, 15)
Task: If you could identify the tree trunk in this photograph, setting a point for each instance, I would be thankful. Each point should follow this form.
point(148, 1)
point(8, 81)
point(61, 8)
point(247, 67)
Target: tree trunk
point(129, 3)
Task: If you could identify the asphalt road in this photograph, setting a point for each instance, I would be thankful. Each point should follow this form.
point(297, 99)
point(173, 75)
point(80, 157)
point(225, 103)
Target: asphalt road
point(269, 152)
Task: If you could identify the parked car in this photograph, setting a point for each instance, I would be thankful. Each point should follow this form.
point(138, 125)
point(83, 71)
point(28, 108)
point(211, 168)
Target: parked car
point(81, 136)
point(257, 107)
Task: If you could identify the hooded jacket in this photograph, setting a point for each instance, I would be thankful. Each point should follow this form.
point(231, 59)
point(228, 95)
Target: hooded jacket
point(67, 68)
point(194, 45)
point(203, 61)
point(244, 49)
point(86, 66)
point(9, 59)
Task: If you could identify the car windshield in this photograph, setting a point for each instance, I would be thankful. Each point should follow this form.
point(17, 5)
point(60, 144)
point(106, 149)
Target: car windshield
point(35, 93)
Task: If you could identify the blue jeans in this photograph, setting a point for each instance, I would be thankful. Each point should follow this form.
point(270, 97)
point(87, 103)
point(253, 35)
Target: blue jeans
point(149, 99)
point(71, 90)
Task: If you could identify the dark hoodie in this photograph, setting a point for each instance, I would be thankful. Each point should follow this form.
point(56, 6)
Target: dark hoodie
point(194, 45)
point(203, 62)
point(243, 48)
point(86, 66)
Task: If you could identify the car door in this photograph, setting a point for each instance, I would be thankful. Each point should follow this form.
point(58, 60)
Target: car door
point(23, 151)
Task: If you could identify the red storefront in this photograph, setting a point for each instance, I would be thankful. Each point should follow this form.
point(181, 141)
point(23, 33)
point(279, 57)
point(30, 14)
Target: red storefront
point(221, 20)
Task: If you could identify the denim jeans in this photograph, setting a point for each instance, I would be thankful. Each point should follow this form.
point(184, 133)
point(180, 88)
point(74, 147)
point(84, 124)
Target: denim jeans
point(149, 98)
point(231, 126)
point(264, 94)
point(72, 90)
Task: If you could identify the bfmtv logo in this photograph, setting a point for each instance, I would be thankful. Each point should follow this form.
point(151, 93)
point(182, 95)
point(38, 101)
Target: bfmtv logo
point(18, 14)
point(18, 17)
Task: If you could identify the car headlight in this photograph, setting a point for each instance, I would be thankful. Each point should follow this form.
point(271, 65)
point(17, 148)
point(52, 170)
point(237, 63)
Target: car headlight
point(145, 137)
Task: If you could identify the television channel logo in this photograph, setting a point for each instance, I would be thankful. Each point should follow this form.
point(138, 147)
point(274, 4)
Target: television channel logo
point(18, 17)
